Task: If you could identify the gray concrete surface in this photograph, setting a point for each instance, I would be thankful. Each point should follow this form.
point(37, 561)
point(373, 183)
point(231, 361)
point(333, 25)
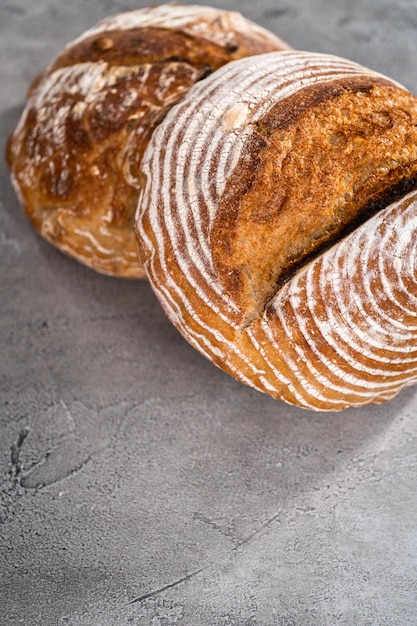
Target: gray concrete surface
point(141, 485)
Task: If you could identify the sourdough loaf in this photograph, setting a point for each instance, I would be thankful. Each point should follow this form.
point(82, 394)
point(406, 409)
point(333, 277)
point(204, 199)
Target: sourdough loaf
point(75, 154)
point(278, 227)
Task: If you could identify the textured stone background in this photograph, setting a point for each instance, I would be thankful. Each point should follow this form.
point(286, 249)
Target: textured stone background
point(141, 485)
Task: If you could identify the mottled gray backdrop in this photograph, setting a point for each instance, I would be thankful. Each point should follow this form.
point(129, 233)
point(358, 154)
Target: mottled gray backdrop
point(141, 485)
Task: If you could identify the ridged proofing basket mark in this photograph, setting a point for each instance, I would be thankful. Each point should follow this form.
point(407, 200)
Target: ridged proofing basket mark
point(343, 331)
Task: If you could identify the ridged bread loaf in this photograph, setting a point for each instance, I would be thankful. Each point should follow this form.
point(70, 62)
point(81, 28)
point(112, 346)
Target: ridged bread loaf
point(278, 227)
point(75, 154)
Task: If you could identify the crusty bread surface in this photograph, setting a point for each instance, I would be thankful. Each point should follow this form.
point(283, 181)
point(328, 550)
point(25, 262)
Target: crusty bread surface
point(75, 154)
point(281, 238)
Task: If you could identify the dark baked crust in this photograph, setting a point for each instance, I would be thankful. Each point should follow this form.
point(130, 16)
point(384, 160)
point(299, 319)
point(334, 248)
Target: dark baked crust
point(75, 154)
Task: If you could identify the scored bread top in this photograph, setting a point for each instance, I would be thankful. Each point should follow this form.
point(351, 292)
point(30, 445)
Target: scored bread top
point(75, 154)
point(351, 134)
point(276, 160)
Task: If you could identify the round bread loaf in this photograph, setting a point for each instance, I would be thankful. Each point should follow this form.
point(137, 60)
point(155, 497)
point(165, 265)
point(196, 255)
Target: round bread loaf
point(278, 227)
point(75, 154)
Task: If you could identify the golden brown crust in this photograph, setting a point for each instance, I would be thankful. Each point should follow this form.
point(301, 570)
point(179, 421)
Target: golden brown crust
point(275, 158)
point(316, 166)
point(75, 154)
